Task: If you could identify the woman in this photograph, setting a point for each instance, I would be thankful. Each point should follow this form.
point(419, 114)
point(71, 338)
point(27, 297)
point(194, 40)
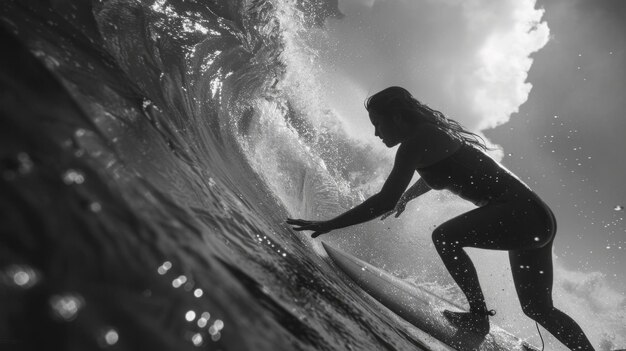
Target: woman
point(509, 216)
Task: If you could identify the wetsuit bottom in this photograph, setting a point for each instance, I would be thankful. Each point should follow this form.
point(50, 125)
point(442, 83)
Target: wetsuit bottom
point(525, 226)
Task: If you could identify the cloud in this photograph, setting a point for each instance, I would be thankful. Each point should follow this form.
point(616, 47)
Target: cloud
point(469, 59)
point(593, 303)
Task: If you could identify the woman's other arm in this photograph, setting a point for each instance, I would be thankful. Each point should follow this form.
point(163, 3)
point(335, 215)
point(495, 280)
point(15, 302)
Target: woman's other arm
point(418, 189)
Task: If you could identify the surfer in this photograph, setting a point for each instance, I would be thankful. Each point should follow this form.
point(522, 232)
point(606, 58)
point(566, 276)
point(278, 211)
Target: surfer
point(509, 215)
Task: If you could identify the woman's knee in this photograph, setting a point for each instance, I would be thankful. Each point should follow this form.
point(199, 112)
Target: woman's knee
point(444, 238)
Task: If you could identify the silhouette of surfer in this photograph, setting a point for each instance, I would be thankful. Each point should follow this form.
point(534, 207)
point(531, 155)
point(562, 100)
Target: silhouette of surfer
point(509, 216)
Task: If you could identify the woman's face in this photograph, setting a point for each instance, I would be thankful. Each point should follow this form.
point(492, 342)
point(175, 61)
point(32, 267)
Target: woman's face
point(387, 129)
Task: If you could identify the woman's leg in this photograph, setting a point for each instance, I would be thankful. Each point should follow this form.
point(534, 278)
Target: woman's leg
point(516, 226)
point(532, 274)
point(512, 225)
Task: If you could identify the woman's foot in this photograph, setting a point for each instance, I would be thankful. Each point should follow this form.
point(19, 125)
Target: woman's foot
point(476, 321)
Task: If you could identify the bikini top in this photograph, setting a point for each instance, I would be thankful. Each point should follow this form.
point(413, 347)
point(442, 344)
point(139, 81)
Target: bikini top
point(473, 175)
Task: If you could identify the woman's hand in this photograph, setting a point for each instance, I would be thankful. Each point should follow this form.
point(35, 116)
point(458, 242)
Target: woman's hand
point(400, 207)
point(318, 227)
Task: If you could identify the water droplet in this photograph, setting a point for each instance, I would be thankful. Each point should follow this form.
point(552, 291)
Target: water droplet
point(164, 268)
point(66, 307)
point(219, 325)
point(95, 207)
point(22, 276)
point(72, 176)
point(110, 337)
point(179, 281)
point(197, 339)
point(198, 292)
point(190, 316)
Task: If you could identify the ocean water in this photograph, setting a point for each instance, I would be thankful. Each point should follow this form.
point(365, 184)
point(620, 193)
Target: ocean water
point(151, 151)
point(148, 170)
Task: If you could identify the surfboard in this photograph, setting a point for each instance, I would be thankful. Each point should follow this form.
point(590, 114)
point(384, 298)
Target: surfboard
point(420, 307)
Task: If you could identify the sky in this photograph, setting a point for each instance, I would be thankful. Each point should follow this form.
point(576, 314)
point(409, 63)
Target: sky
point(543, 81)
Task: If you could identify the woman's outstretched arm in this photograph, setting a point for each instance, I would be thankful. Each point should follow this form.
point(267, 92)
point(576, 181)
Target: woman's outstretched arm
point(374, 206)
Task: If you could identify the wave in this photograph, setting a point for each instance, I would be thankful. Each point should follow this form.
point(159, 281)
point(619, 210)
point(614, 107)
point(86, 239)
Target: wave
point(168, 157)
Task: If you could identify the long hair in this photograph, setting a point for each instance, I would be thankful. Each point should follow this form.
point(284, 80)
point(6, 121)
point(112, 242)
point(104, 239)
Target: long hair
point(397, 100)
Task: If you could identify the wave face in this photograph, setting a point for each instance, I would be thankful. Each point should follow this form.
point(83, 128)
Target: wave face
point(150, 167)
